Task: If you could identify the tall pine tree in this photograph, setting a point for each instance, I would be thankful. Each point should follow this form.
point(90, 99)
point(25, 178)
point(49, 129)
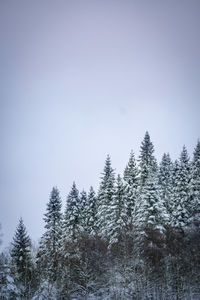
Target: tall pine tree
point(72, 217)
point(105, 197)
point(49, 253)
point(91, 212)
point(165, 182)
point(147, 161)
point(130, 188)
point(21, 263)
point(181, 190)
point(117, 212)
point(195, 180)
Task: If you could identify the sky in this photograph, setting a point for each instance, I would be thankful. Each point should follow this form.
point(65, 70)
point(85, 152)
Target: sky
point(81, 79)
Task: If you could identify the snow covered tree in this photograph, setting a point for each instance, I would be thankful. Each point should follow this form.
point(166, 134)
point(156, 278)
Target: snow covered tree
point(151, 211)
point(0, 234)
point(105, 197)
point(48, 255)
point(72, 233)
point(72, 218)
point(8, 289)
point(83, 210)
point(151, 217)
point(147, 161)
point(21, 264)
point(131, 171)
point(195, 180)
point(130, 187)
point(117, 212)
point(181, 190)
point(165, 182)
point(83, 199)
point(91, 212)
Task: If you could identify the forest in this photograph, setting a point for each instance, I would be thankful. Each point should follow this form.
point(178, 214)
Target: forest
point(137, 237)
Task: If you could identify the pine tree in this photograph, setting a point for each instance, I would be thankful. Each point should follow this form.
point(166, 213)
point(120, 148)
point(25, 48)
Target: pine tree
point(21, 260)
point(195, 180)
point(147, 161)
point(72, 231)
point(151, 212)
point(165, 182)
point(91, 212)
point(181, 190)
point(117, 213)
point(130, 187)
point(48, 256)
point(83, 210)
point(72, 217)
point(8, 289)
point(105, 197)
point(0, 235)
point(151, 217)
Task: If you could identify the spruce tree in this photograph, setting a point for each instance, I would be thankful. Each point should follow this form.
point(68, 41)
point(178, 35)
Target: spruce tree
point(49, 256)
point(91, 212)
point(72, 217)
point(117, 212)
point(130, 188)
point(195, 181)
point(83, 210)
point(8, 289)
point(165, 182)
point(105, 197)
point(21, 263)
point(72, 231)
point(181, 190)
point(151, 212)
point(147, 161)
point(151, 217)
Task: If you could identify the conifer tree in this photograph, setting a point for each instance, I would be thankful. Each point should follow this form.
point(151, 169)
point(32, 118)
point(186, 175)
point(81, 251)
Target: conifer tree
point(181, 190)
point(151, 212)
point(105, 197)
point(21, 264)
point(72, 230)
point(72, 217)
point(147, 161)
point(117, 212)
point(91, 212)
point(48, 256)
point(8, 289)
point(165, 182)
point(130, 187)
point(195, 180)
point(83, 210)
point(151, 218)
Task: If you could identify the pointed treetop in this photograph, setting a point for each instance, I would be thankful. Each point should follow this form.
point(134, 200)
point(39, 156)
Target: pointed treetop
point(147, 145)
point(21, 237)
point(108, 171)
point(21, 227)
point(196, 157)
point(131, 171)
point(53, 208)
point(107, 167)
point(91, 191)
point(73, 196)
point(184, 157)
point(147, 161)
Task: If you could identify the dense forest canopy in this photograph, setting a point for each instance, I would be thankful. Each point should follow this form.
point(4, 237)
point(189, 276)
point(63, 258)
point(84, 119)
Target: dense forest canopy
point(136, 237)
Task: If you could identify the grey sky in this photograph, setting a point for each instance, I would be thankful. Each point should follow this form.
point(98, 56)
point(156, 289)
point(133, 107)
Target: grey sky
point(80, 79)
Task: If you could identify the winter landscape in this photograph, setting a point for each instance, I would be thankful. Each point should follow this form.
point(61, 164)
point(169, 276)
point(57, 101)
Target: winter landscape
point(100, 150)
point(138, 237)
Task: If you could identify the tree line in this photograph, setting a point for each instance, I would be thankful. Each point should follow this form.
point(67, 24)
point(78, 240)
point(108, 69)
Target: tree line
point(138, 237)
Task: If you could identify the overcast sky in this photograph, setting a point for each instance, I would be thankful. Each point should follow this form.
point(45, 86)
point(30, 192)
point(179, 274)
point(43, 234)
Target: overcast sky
point(80, 79)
